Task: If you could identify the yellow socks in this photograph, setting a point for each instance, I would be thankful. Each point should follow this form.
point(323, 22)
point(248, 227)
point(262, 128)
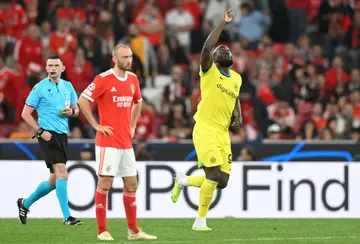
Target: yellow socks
point(206, 194)
point(196, 181)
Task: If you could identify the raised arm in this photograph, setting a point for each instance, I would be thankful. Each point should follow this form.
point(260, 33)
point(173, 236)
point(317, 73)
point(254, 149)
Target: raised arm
point(206, 58)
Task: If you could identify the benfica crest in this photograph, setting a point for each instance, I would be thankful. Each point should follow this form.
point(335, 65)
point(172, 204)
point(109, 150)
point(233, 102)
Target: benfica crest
point(132, 87)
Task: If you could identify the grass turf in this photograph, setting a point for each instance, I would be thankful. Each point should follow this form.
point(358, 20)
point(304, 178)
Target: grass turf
point(329, 231)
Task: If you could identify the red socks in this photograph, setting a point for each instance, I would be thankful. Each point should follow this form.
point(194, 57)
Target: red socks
point(129, 198)
point(100, 204)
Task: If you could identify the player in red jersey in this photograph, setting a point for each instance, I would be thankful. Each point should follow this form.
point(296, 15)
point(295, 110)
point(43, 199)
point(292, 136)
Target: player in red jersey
point(118, 97)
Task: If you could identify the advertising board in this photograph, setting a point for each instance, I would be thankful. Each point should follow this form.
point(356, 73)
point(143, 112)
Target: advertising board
point(255, 190)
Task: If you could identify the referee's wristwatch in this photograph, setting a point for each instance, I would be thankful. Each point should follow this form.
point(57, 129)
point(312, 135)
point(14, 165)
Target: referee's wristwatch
point(39, 132)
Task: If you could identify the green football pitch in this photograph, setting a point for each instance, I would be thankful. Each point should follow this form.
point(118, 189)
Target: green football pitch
point(178, 231)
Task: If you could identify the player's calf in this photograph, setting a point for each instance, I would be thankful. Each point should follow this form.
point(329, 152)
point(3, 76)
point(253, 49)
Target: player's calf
point(62, 194)
point(101, 195)
point(206, 194)
point(129, 200)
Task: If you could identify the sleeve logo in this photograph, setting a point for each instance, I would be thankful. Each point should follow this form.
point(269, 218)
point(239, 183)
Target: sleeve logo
point(91, 87)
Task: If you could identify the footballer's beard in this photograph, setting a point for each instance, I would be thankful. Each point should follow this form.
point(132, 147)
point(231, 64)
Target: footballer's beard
point(124, 67)
point(227, 63)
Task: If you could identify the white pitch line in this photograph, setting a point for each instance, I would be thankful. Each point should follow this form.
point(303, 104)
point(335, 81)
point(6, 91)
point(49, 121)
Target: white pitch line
point(270, 239)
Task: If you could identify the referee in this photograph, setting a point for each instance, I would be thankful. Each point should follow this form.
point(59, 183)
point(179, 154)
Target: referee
point(54, 100)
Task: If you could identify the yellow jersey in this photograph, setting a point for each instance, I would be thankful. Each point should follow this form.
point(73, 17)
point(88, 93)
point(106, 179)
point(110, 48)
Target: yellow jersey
point(218, 98)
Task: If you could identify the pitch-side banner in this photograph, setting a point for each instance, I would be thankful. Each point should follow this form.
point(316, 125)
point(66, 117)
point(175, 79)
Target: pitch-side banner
point(255, 190)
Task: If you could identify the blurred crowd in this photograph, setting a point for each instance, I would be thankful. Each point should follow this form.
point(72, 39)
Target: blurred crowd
point(299, 61)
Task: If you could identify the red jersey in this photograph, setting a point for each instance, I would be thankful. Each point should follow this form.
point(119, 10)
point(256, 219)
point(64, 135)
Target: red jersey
point(146, 125)
point(29, 51)
point(13, 21)
point(114, 97)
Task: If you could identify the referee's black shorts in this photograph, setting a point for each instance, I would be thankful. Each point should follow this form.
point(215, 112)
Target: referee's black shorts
point(55, 150)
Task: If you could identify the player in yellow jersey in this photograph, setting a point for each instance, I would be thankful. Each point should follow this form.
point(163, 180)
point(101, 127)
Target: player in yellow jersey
point(218, 109)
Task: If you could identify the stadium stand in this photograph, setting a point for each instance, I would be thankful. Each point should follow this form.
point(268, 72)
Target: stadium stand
point(299, 60)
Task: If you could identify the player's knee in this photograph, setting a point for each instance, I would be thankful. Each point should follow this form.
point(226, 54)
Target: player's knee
point(105, 182)
point(222, 185)
point(224, 179)
point(130, 183)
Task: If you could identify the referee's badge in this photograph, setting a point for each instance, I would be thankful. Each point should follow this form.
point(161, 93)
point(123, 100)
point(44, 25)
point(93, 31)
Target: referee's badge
point(67, 103)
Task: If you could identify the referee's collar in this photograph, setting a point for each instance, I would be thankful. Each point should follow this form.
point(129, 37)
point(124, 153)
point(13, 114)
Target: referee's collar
point(54, 82)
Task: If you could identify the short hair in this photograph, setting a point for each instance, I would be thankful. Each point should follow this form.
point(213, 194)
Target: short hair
point(54, 57)
point(118, 46)
point(251, 152)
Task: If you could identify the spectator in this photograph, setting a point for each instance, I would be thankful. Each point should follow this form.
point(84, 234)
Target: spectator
point(32, 10)
point(216, 8)
point(352, 40)
point(264, 90)
point(194, 8)
point(355, 134)
point(252, 24)
point(62, 42)
point(180, 22)
point(247, 154)
point(335, 74)
point(298, 14)
point(143, 49)
point(165, 62)
point(177, 51)
point(332, 112)
point(141, 152)
point(283, 115)
point(308, 131)
point(86, 153)
point(317, 116)
point(29, 51)
point(354, 83)
point(13, 20)
point(6, 114)
point(80, 72)
point(273, 132)
point(177, 89)
point(151, 24)
point(121, 20)
point(23, 132)
point(178, 123)
point(45, 33)
point(146, 126)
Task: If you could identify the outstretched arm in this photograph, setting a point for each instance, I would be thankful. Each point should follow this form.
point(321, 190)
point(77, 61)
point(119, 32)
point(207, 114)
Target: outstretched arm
point(205, 58)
